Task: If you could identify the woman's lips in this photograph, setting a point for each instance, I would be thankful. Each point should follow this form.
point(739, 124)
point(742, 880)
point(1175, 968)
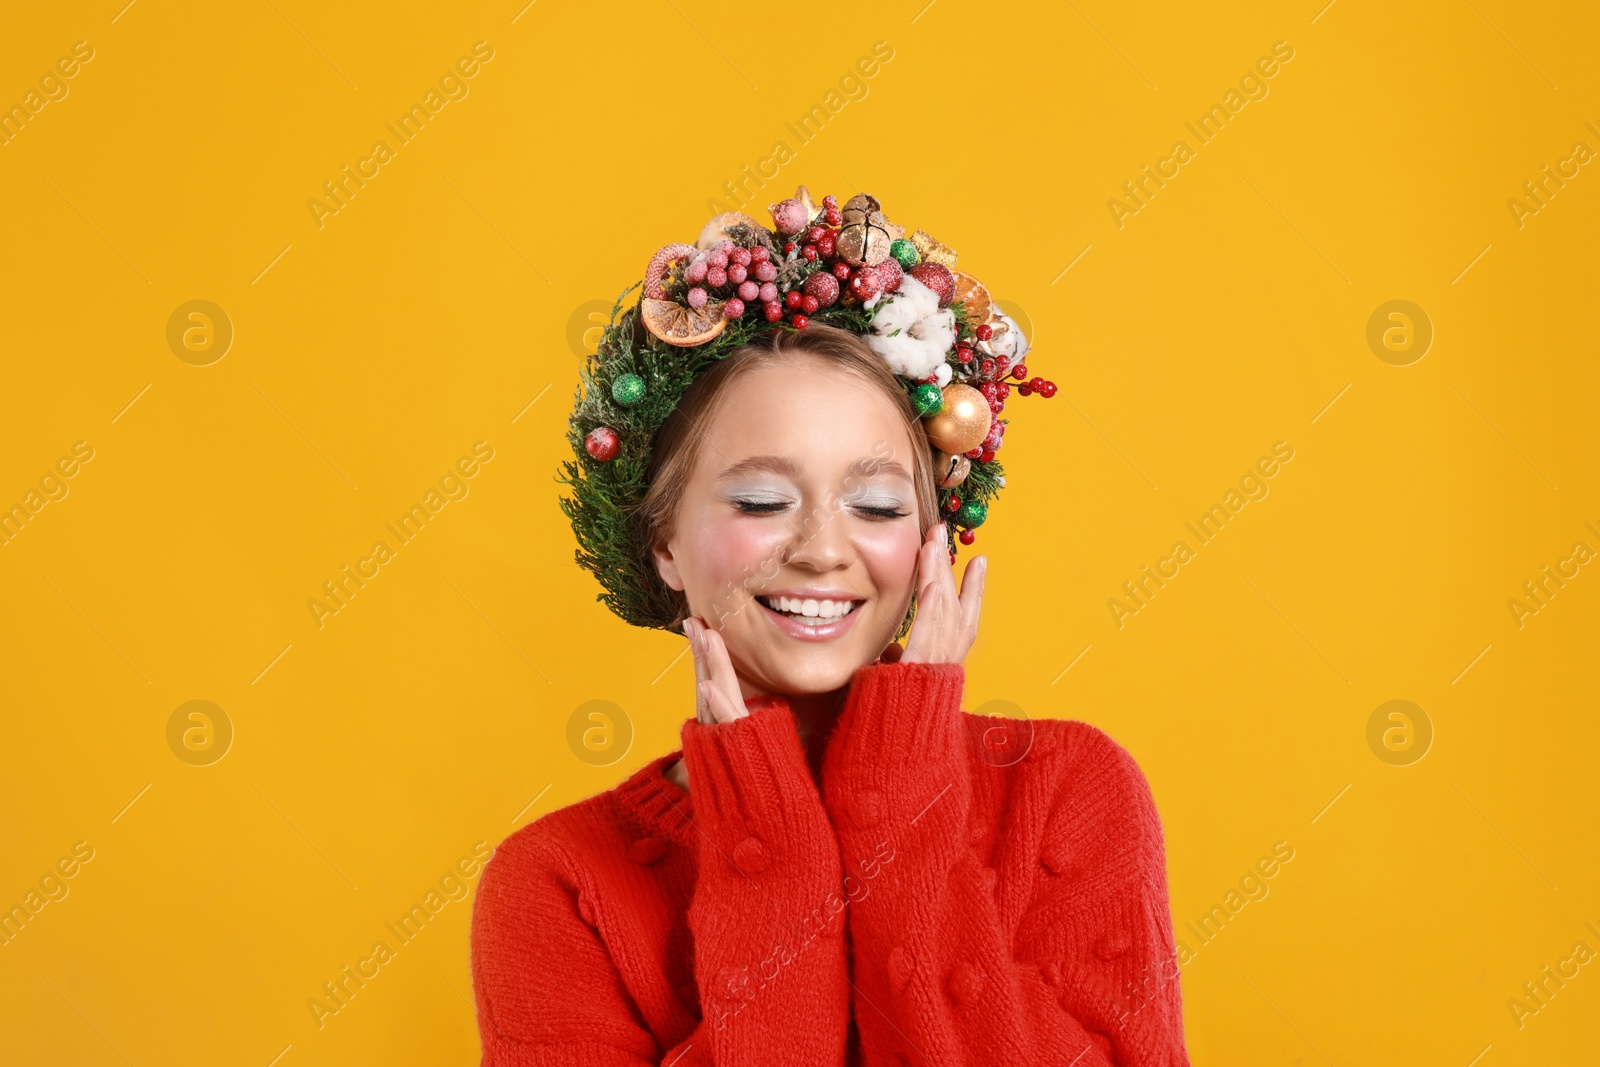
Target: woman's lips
point(802, 631)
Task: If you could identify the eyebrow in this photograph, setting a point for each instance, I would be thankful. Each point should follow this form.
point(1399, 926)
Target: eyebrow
point(787, 466)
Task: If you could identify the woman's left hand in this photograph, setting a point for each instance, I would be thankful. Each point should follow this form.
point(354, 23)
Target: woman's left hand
point(946, 623)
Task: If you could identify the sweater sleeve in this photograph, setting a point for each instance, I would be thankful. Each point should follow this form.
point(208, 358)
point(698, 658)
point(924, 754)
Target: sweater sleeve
point(941, 976)
point(765, 919)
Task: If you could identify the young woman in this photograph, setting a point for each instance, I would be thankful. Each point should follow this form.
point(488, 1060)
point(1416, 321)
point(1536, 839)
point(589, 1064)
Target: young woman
point(839, 866)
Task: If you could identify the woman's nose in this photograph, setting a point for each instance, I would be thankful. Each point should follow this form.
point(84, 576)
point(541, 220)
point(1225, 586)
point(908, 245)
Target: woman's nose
point(819, 538)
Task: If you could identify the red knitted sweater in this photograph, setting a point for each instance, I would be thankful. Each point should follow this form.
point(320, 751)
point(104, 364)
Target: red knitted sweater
point(960, 890)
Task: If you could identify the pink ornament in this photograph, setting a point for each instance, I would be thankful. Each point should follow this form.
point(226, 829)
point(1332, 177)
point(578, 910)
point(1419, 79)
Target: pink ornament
point(789, 216)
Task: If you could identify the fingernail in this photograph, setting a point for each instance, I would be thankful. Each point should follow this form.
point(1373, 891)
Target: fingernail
point(944, 533)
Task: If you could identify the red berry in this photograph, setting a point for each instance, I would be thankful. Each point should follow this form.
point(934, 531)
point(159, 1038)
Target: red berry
point(841, 270)
point(963, 353)
point(983, 331)
point(788, 246)
point(1048, 389)
point(834, 216)
point(953, 504)
point(1036, 381)
point(892, 274)
point(1024, 389)
point(733, 308)
point(737, 273)
point(741, 256)
point(791, 299)
point(1004, 388)
point(997, 406)
point(986, 368)
point(759, 254)
point(967, 537)
point(988, 454)
point(989, 390)
point(830, 201)
point(716, 277)
point(813, 235)
point(749, 290)
point(1002, 364)
point(973, 453)
point(799, 321)
point(825, 244)
point(774, 311)
point(810, 252)
point(809, 304)
point(1020, 372)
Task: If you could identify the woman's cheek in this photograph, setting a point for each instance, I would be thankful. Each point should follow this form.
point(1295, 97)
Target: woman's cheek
point(734, 551)
point(890, 553)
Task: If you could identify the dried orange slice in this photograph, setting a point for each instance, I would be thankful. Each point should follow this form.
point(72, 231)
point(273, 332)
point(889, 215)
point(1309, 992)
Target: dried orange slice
point(682, 326)
point(974, 297)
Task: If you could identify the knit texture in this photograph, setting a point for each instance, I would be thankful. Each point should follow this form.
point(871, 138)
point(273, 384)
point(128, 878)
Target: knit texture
point(961, 890)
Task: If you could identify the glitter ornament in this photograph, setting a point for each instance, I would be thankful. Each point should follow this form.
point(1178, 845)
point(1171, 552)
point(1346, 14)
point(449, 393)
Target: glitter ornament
point(823, 286)
point(627, 389)
point(936, 276)
point(905, 253)
point(891, 274)
point(972, 513)
point(602, 443)
point(927, 399)
point(964, 421)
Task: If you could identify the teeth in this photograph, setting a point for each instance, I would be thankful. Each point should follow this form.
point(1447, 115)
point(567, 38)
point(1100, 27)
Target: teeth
point(821, 610)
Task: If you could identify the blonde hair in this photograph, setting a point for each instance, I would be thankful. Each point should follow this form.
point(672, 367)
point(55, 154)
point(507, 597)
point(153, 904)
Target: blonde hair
point(677, 442)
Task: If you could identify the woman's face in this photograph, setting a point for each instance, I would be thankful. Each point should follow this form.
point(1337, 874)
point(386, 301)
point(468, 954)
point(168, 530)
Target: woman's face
point(797, 534)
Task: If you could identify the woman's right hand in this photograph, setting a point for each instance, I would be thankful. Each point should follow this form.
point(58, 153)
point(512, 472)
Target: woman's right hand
point(717, 694)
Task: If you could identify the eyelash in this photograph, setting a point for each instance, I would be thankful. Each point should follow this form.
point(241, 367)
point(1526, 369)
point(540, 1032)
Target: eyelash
point(752, 507)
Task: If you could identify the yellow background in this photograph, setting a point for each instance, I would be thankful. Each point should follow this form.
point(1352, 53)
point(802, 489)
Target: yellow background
point(431, 713)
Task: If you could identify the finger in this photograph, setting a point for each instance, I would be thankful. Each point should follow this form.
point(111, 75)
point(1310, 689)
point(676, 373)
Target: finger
point(717, 701)
point(696, 632)
point(972, 582)
point(724, 680)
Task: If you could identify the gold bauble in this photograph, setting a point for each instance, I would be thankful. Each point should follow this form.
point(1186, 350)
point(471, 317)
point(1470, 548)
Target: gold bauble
point(962, 423)
point(950, 471)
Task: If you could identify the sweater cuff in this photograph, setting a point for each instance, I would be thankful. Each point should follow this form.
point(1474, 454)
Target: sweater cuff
point(902, 722)
point(750, 777)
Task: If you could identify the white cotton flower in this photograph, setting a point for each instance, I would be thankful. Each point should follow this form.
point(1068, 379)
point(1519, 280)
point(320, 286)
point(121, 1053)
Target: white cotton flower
point(912, 333)
point(943, 372)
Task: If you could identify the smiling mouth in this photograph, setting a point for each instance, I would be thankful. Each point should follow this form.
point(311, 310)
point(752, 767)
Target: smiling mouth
point(808, 612)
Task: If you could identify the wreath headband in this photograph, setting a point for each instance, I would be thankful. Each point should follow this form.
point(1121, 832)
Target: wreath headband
point(936, 327)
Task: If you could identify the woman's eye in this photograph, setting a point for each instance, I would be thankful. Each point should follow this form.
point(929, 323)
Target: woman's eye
point(759, 507)
point(884, 513)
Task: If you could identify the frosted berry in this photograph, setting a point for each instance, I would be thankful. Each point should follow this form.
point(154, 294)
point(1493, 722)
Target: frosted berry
point(741, 256)
point(768, 292)
point(733, 308)
point(736, 273)
point(749, 290)
point(984, 331)
point(825, 244)
point(800, 321)
point(809, 304)
point(697, 298)
point(968, 536)
point(866, 284)
point(717, 258)
point(791, 299)
point(841, 270)
point(696, 272)
point(716, 277)
point(765, 271)
point(1020, 372)
point(772, 310)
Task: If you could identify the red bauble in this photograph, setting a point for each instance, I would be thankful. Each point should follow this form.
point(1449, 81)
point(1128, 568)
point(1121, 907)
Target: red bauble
point(968, 536)
point(602, 443)
point(810, 252)
point(823, 286)
point(892, 273)
point(866, 284)
point(937, 276)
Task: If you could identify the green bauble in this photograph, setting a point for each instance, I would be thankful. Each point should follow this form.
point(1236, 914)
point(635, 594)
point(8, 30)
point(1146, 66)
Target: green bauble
point(627, 389)
point(906, 252)
point(972, 513)
point(928, 399)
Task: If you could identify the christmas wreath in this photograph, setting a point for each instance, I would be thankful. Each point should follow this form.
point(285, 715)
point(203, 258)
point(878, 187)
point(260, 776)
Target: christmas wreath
point(936, 327)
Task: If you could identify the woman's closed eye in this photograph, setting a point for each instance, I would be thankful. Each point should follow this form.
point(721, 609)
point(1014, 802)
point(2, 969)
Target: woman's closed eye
point(772, 507)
